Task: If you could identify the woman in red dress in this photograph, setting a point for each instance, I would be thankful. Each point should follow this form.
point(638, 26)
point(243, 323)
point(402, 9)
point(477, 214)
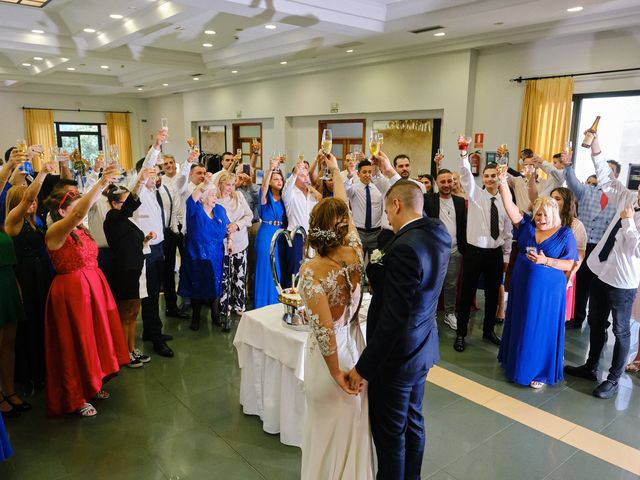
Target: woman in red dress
point(84, 341)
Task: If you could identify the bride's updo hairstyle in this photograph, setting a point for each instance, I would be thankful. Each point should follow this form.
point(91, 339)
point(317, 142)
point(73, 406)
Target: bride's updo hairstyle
point(328, 225)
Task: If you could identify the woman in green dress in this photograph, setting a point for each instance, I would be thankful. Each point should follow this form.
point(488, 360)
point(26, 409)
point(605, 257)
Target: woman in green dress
point(11, 311)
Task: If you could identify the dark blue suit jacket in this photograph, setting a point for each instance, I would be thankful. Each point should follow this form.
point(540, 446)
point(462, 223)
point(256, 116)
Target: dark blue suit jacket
point(402, 334)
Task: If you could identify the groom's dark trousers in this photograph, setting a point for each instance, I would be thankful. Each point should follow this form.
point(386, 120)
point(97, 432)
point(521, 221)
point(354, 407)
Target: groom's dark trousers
point(402, 343)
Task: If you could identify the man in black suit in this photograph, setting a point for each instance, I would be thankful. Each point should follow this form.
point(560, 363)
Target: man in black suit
point(452, 212)
point(402, 334)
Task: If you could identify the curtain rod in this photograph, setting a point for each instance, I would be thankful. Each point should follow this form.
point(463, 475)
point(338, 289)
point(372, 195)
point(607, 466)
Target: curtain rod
point(520, 79)
point(73, 110)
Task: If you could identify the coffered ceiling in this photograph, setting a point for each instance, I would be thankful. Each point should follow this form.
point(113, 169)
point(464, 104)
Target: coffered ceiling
point(155, 47)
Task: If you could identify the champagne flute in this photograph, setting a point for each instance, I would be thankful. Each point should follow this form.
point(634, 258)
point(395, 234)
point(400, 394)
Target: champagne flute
point(21, 145)
point(164, 125)
point(327, 143)
point(374, 143)
point(503, 158)
point(300, 157)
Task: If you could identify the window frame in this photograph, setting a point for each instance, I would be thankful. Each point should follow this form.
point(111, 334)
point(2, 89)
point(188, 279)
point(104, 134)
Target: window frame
point(60, 134)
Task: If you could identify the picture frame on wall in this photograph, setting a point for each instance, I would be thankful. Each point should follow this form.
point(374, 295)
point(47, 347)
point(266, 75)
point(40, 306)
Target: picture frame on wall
point(213, 138)
point(490, 157)
point(634, 176)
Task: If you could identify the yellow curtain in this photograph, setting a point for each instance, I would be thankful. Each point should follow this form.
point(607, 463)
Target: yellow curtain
point(546, 116)
point(119, 133)
point(38, 127)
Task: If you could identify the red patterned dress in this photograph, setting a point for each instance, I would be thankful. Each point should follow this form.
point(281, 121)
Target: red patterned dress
point(84, 341)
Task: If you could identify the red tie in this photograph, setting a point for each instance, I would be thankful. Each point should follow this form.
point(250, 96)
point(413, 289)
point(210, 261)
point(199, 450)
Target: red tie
point(603, 201)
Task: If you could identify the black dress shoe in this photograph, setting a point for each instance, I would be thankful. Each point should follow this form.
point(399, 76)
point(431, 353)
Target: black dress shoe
point(459, 344)
point(573, 325)
point(175, 314)
point(163, 336)
point(21, 407)
point(582, 371)
point(491, 337)
point(162, 349)
point(195, 324)
point(606, 389)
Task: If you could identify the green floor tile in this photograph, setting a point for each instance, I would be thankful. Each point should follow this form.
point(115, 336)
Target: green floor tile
point(582, 466)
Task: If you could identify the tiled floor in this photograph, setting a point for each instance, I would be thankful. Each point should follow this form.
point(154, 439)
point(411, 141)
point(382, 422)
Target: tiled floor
point(180, 419)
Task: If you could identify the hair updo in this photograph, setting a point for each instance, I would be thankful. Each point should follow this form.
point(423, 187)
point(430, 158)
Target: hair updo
point(328, 226)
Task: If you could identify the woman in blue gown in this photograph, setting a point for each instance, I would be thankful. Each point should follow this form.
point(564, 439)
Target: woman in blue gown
point(273, 217)
point(201, 269)
point(5, 446)
point(533, 337)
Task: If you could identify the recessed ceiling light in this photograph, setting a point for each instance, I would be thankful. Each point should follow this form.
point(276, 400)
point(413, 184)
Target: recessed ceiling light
point(89, 30)
point(26, 64)
point(116, 16)
point(104, 67)
point(196, 78)
point(38, 58)
point(208, 45)
point(209, 32)
point(37, 31)
point(234, 71)
point(71, 69)
point(270, 26)
point(165, 84)
point(284, 62)
point(575, 9)
point(350, 50)
point(439, 34)
point(139, 89)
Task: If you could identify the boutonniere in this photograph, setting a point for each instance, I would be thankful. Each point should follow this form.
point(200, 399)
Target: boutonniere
point(377, 256)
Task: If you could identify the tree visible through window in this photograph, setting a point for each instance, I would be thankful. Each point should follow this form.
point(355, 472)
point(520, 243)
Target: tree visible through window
point(88, 138)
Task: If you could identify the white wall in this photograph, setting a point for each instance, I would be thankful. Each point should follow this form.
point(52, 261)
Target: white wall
point(13, 121)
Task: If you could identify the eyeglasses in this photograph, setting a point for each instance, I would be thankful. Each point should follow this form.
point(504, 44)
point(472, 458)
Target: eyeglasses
point(72, 194)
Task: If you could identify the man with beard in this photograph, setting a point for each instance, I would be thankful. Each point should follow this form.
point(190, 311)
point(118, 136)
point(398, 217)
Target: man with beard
point(451, 211)
point(402, 165)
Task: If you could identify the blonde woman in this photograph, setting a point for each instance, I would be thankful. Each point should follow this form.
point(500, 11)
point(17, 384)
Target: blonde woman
point(235, 262)
point(533, 335)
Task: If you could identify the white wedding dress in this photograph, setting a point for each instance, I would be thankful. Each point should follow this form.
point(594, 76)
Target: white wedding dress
point(336, 437)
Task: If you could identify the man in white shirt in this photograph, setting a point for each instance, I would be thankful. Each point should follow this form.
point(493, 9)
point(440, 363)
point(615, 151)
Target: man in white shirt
point(299, 198)
point(149, 218)
point(489, 236)
point(615, 263)
point(554, 171)
point(451, 211)
point(367, 204)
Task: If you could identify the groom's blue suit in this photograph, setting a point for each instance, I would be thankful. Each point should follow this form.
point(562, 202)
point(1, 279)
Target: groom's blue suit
point(402, 342)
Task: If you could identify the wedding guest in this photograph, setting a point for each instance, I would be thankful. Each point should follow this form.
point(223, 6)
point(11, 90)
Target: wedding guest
point(452, 212)
point(596, 213)
point(82, 325)
point(233, 297)
point(591, 180)
point(5, 447)
point(126, 241)
point(202, 266)
point(34, 274)
point(299, 198)
point(554, 171)
point(457, 189)
point(245, 184)
point(568, 215)
point(11, 311)
point(634, 365)
point(615, 264)
point(487, 252)
point(533, 337)
point(150, 217)
point(428, 181)
point(402, 165)
point(273, 218)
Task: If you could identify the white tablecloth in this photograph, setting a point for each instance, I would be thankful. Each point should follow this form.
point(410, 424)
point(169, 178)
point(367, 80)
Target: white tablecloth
point(271, 357)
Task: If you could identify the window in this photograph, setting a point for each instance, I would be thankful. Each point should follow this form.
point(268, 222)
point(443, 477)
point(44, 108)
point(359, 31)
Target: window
point(243, 133)
point(618, 130)
point(88, 138)
point(347, 134)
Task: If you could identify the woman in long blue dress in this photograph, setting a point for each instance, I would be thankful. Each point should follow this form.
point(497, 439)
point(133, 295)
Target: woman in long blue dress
point(201, 269)
point(5, 446)
point(273, 217)
point(533, 337)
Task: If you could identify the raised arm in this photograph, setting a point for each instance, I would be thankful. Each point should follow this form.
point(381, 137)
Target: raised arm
point(7, 169)
point(60, 230)
point(200, 188)
point(14, 220)
point(253, 160)
point(151, 158)
point(614, 188)
point(532, 187)
point(575, 185)
point(315, 165)
point(514, 213)
point(266, 180)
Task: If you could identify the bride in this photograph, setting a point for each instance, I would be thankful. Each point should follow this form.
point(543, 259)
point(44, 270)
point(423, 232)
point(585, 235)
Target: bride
point(337, 440)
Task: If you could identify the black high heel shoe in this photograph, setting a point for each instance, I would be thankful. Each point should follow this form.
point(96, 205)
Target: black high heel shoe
point(13, 413)
point(21, 407)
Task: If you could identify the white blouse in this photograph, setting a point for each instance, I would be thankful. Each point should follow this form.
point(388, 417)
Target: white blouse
point(240, 213)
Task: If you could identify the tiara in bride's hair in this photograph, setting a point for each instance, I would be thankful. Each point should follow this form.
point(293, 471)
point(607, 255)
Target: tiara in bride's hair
point(319, 234)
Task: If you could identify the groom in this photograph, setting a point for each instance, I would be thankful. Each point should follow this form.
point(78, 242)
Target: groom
point(402, 336)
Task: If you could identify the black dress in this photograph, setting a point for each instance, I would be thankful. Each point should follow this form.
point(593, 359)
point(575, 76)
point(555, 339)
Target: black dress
point(126, 241)
point(34, 274)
